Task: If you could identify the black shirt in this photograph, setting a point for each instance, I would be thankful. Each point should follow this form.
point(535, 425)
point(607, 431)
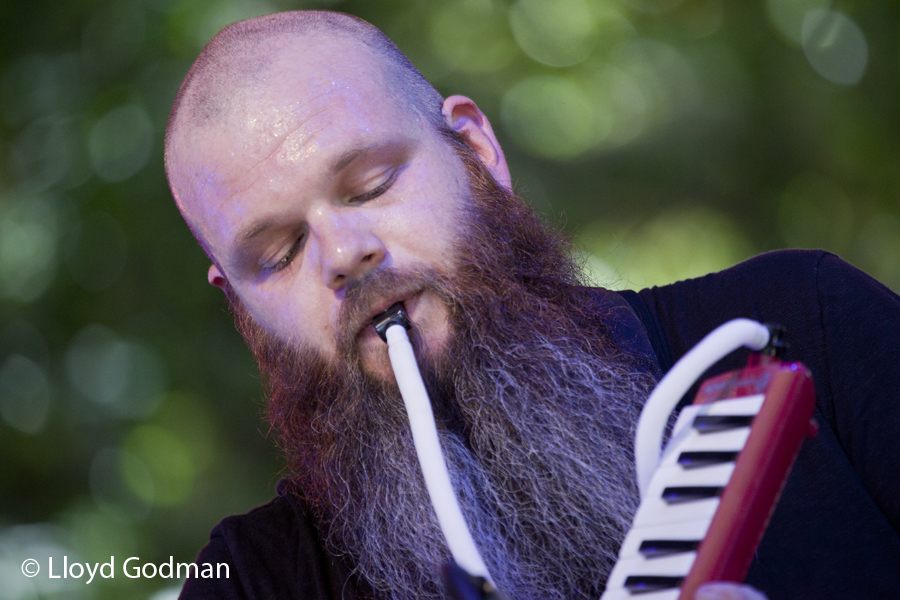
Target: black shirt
point(836, 530)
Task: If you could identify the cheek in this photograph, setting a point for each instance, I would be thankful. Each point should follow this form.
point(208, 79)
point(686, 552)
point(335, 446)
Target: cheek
point(425, 218)
point(438, 327)
point(426, 230)
point(269, 310)
point(294, 315)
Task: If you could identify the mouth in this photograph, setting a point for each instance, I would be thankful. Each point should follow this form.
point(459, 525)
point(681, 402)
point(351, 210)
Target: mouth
point(395, 315)
point(408, 303)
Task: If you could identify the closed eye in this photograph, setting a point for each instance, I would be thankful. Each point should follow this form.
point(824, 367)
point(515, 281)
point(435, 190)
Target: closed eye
point(375, 192)
point(285, 260)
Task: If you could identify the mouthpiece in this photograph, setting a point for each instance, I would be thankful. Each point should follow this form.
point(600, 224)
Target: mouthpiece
point(395, 315)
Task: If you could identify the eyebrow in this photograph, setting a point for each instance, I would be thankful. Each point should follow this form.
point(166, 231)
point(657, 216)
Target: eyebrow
point(346, 159)
point(253, 231)
point(352, 155)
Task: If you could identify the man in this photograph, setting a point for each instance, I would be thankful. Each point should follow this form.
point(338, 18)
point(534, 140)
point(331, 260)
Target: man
point(326, 180)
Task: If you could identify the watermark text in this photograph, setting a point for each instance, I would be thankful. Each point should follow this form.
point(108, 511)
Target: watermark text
point(131, 568)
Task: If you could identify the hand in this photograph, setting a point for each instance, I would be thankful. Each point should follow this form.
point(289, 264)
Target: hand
point(721, 590)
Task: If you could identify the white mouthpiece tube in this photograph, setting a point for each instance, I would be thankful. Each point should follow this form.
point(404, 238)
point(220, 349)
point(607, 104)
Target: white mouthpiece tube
point(431, 459)
point(723, 340)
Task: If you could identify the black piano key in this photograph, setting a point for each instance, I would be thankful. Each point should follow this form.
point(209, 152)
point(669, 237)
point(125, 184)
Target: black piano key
point(690, 460)
point(688, 493)
point(642, 584)
point(712, 423)
point(654, 548)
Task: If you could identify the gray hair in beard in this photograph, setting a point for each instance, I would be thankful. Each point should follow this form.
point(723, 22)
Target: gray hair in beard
point(535, 406)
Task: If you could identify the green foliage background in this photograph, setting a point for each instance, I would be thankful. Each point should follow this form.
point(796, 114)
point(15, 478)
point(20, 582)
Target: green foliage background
point(670, 137)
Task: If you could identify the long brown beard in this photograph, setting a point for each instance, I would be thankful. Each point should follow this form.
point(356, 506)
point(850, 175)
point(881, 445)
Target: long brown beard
point(535, 407)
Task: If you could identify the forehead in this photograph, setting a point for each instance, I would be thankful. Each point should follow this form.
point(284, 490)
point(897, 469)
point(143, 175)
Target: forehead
point(317, 99)
point(320, 85)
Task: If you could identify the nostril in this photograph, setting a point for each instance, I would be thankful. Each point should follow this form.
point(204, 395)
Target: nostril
point(368, 258)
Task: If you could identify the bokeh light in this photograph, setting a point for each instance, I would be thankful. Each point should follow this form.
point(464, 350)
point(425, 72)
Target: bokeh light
point(699, 18)
point(122, 376)
point(644, 86)
point(835, 46)
point(24, 394)
point(46, 153)
point(168, 462)
point(652, 6)
point(39, 84)
point(621, 106)
point(787, 16)
point(20, 542)
point(553, 32)
point(471, 36)
point(170, 593)
point(550, 116)
point(666, 78)
point(28, 246)
point(678, 244)
point(120, 142)
point(96, 534)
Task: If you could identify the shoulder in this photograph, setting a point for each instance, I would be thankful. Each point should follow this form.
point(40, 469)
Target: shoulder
point(772, 272)
point(827, 307)
point(772, 287)
point(272, 551)
point(823, 302)
point(279, 521)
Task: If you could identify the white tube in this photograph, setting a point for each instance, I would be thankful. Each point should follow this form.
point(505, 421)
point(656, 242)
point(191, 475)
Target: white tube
point(723, 340)
point(431, 459)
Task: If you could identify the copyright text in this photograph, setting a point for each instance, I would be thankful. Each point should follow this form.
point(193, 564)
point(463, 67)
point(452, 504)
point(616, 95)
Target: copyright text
point(132, 568)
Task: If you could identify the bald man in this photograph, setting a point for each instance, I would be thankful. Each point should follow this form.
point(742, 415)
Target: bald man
point(327, 180)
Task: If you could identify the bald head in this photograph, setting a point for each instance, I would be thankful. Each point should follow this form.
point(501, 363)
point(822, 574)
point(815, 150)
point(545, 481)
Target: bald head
point(237, 60)
point(235, 70)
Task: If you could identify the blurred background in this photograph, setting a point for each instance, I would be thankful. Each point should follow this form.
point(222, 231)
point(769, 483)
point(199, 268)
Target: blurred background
point(669, 137)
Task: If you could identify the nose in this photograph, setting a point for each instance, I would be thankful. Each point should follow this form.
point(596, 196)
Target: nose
point(349, 250)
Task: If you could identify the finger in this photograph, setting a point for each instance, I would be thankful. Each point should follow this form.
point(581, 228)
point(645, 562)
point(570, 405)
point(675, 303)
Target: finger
point(728, 591)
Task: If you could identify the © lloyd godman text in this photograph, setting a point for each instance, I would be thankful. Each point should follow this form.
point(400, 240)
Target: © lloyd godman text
point(132, 569)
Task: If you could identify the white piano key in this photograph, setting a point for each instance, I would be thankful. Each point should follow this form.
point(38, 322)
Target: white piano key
point(684, 421)
point(693, 441)
point(692, 530)
point(622, 594)
point(715, 475)
point(676, 475)
point(655, 511)
point(747, 405)
point(678, 565)
point(729, 439)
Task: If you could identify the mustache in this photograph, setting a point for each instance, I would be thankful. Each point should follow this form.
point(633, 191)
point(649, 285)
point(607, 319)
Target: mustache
point(366, 296)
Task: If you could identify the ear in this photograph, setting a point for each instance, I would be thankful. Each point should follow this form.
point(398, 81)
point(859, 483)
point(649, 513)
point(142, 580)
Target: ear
point(215, 277)
point(463, 116)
